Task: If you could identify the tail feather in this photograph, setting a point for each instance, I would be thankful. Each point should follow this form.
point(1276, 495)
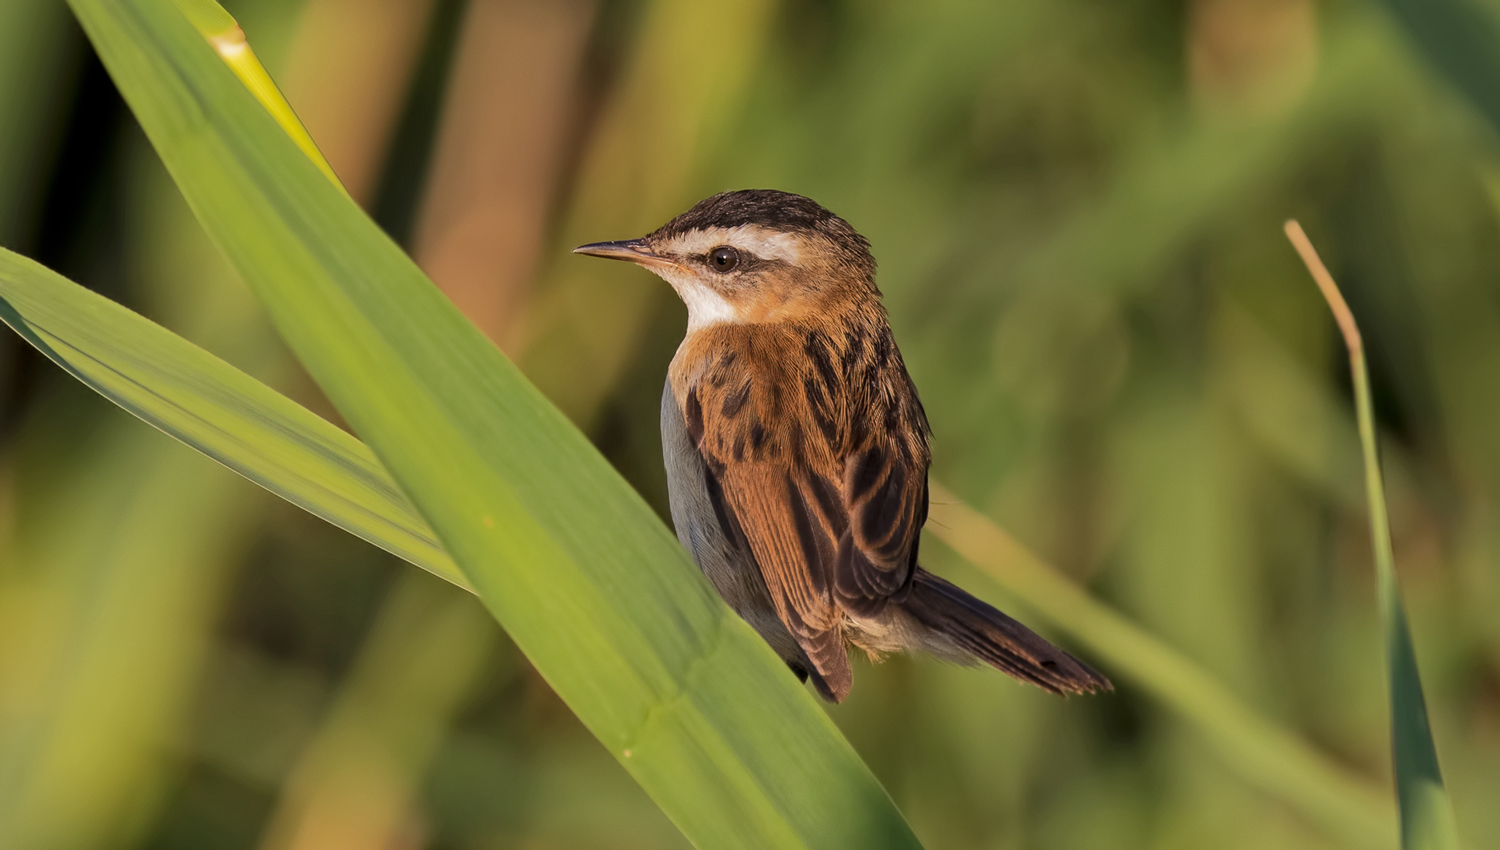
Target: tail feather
point(826, 662)
point(990, 636)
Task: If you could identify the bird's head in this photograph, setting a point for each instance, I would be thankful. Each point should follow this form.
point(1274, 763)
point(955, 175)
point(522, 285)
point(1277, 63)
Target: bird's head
point(754, 256)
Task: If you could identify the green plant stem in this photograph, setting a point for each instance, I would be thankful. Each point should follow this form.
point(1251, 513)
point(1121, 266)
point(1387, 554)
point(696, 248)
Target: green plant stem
point(1426, 813)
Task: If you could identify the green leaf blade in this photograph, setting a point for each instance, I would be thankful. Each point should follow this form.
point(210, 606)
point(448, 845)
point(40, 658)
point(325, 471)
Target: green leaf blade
point(218, 410)
point(1427, 821)
point(1426, 813)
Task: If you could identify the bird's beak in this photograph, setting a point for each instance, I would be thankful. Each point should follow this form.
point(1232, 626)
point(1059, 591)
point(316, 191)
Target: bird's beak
point(634, 250)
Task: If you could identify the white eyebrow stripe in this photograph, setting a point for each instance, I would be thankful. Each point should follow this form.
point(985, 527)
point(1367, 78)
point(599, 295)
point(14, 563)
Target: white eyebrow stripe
point(761, 241)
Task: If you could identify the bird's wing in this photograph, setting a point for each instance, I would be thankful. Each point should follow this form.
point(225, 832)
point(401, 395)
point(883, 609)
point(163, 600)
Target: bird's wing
point(834, 530)
point(884, 492)
point(794, 549)
point(790, 518)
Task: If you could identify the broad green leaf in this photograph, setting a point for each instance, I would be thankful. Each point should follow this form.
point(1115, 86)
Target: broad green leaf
point(224, 33)
point(217, 409)
point(589, 583)
point(1426, 813)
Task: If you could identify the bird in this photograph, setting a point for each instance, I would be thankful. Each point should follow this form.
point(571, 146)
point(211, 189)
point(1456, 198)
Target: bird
point(797, 450)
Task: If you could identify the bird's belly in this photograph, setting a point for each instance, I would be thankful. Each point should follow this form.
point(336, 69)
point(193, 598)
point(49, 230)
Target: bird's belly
point(730, 568)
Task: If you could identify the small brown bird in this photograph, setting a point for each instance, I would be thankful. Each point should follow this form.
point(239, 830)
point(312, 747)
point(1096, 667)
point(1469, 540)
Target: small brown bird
point(797, 451)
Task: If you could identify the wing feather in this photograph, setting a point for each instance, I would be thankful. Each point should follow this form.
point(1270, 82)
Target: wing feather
point(886, 500)
point(829, 496)
point(795, 553)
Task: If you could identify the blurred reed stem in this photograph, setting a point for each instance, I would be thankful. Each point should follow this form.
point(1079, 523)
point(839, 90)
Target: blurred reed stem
point(511, 102)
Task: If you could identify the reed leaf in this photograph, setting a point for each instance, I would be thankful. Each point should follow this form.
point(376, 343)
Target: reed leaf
point(1426, 812)
point(217, 409)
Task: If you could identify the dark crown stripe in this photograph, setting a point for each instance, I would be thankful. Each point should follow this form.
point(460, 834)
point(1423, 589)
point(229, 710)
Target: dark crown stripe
point(776, 210)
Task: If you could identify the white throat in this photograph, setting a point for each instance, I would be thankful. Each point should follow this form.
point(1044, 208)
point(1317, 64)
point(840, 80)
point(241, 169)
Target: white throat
point(705, 307)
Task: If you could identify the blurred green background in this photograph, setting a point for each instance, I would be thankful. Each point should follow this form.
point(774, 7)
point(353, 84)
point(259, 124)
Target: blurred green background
point(1076, 206)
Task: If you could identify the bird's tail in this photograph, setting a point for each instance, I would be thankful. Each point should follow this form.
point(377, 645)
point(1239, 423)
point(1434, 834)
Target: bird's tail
point(983, 632)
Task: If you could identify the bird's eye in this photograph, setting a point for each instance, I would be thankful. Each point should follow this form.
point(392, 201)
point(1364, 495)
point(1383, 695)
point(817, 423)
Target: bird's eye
point(723, 259)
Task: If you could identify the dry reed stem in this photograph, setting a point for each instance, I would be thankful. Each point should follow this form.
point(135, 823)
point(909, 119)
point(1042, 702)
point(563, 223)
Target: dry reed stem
point(1331, 293)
